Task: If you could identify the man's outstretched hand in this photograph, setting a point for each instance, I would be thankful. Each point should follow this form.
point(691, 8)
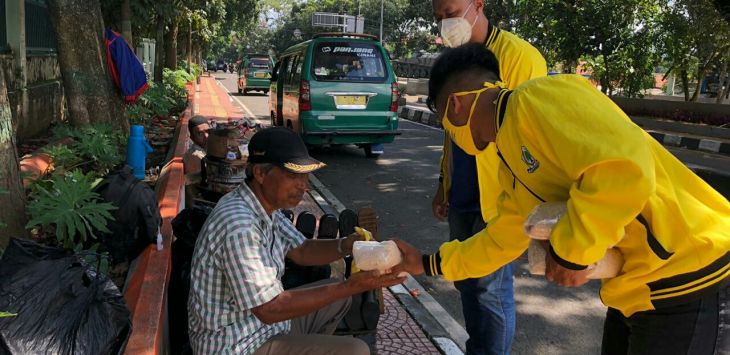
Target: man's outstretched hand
point(369, 280)
point(412, 259)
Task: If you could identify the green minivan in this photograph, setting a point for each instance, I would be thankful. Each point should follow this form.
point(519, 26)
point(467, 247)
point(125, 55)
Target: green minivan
point(254, 73)
point(338, 88)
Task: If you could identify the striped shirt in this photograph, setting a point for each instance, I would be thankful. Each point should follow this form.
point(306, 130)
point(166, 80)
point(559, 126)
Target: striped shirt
point(237, 266)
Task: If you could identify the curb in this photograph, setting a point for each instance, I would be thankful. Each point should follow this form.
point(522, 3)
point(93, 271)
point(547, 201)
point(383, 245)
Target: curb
point(692, 143)
point(444, 331)
point(420, 116)
point(674, 139)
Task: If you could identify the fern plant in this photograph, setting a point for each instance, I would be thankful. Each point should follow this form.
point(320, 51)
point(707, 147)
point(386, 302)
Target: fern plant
point(68, 203)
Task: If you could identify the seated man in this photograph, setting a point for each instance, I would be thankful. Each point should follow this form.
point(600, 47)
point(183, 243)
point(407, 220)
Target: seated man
point(198, 127)
point(237, 303)
point(356, 70)
point(193, 159)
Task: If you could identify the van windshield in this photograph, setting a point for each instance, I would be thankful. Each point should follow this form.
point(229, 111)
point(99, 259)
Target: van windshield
point(259, 63)
point(343, 61)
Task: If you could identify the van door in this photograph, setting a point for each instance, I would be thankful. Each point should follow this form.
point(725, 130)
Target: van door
point(351, 86)
point(293, 78)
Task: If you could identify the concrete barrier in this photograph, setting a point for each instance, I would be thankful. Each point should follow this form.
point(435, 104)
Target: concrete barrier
point(714, 114)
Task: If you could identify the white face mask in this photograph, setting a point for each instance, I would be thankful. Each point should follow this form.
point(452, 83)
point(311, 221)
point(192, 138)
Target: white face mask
point(456, 31)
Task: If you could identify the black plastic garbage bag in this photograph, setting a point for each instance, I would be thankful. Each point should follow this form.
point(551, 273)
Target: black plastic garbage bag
point(63, 306)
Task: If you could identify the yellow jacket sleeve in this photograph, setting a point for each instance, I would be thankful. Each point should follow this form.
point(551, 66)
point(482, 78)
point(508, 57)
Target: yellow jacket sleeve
point(611, 183)
point(501, 242)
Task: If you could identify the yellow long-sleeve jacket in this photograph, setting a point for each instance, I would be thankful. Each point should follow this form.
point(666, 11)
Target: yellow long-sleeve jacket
point(560, 139)
point(519, 61)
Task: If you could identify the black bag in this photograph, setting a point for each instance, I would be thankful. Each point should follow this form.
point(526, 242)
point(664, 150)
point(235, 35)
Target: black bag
point(137, 217)
point(186, 226)
point(63, 305)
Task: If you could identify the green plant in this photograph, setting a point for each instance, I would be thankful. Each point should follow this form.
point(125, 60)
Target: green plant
point(69, 203)
point(96, 148)
point(137, 114)
point(7, 314)
point(62, 157)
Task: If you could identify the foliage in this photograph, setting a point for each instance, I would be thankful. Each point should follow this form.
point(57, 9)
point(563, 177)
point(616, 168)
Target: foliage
point(7, 314)
point(408, 25)
point(68, 203)
point(96, 148)
point(162, 99)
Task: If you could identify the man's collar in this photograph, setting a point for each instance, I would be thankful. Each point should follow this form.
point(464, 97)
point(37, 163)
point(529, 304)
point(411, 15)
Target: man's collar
point(492, 34)
point(501, 107)
point(250, 199)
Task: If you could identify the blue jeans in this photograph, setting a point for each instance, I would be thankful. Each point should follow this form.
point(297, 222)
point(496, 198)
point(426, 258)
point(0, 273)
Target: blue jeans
point(488, 302)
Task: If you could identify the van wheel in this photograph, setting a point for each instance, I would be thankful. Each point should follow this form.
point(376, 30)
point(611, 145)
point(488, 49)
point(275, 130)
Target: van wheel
point(245, 92)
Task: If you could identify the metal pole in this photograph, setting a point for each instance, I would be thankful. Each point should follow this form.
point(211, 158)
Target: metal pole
point(381, 20)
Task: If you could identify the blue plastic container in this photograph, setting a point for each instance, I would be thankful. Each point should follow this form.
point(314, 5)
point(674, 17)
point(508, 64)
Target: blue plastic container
point(137, 150)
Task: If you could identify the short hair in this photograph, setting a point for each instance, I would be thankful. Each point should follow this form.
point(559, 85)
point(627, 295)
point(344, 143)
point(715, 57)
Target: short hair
point(196, 121)
point(249, 169)
point(468, 58)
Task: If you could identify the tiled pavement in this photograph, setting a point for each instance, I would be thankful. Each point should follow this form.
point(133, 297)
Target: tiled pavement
point(397, 333)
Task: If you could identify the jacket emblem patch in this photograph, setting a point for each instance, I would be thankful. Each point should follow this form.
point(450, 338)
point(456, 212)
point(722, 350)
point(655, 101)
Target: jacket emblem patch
point(527, 158)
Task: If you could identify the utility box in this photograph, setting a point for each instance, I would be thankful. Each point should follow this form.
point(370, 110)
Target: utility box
point(146, 55)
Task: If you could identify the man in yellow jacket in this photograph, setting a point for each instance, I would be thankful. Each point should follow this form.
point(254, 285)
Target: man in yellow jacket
point(560, 139)
point(487, 302)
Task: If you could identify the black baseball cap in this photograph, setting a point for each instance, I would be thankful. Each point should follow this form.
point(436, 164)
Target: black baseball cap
point(284, 148)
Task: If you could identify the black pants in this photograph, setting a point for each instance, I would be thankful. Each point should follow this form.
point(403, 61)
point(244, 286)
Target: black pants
point(701, 327)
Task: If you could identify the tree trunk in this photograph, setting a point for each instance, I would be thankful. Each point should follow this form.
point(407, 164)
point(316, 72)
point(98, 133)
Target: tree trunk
point(127, 22)
point(159, 48)
point(171, 46)
point(698, 87)
point(685, 84)
point(90, 93)
point(12, 198)
point(723, 86)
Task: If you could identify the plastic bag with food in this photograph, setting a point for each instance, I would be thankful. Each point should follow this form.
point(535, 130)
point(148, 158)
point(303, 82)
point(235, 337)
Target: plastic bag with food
point(372, 255)
point(539, 225)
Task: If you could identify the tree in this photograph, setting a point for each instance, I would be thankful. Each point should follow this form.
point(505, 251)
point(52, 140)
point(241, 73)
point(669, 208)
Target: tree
point(695, 39)
point(12, 195)
point(90, 93)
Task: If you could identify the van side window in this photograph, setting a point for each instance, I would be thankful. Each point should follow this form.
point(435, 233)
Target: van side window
point(297, 75)
point(287, 73)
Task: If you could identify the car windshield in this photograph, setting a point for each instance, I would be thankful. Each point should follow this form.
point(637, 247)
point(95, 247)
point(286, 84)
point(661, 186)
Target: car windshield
point(344, 61)
point(259, 63)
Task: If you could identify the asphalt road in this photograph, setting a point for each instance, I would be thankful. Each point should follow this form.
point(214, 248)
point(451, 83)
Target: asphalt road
point(400, 185)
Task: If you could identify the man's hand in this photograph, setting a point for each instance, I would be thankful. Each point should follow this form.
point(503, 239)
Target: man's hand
point(412, 259)
point(562, 276)
point(349, 242)
point(439, 206)
point(368, 280)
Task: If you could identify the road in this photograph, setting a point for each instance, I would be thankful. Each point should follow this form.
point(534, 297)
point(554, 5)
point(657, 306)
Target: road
point(400, 185)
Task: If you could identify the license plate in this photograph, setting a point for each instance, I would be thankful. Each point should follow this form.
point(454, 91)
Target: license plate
point(259, 75)
point(350, 100)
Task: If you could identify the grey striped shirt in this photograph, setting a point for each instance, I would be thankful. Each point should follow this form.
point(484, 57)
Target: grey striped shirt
point(237, 266)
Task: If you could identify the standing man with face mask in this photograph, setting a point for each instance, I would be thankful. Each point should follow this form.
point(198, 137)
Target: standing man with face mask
point(487, 302)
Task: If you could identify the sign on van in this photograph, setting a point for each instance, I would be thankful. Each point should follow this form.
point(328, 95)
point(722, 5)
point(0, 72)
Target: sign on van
point(360, 52)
